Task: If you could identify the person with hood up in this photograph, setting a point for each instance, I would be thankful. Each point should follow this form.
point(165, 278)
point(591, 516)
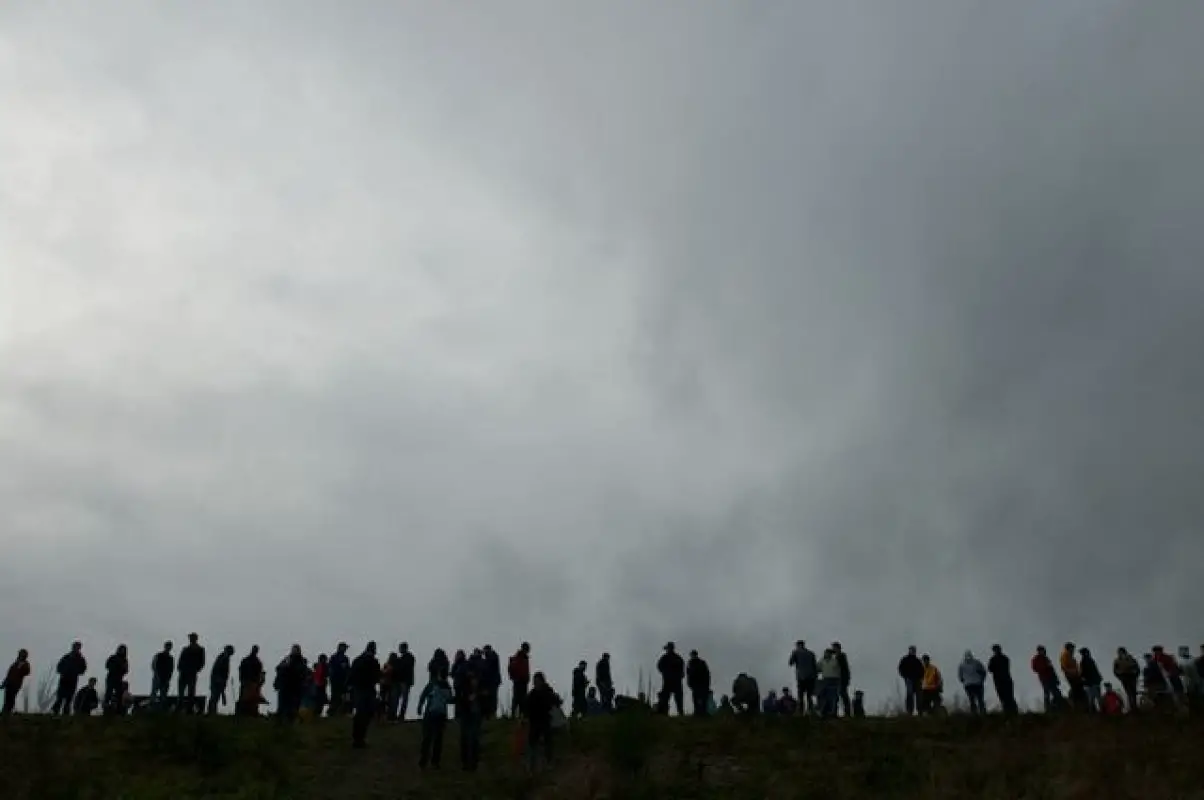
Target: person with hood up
point(117, 666)
point(364, 676)
point(1092, 679)
point(71, 668)
point(911, 670)
point(1110, 703)
point(673, 673)
point(1128, 672)
point(580, 706)
point(931, 687)
point(698, 679)
point(13, 681)
point(1000, 667)
point(219, 679)
point(829, 683)
point(163, 667)
point(973, 675)
point(433, 703)
point(189, 666)
point(806, 671)
point(605, 682)
point(519, 672)
point(339, 669)
point(1043, 668)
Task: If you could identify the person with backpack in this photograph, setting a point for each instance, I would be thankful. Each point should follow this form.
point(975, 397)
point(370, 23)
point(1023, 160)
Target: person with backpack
point(519, 672)
point(71, 668)
point(433, 702)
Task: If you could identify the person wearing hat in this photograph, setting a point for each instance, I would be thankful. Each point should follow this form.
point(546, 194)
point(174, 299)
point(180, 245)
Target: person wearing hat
point(673, 672)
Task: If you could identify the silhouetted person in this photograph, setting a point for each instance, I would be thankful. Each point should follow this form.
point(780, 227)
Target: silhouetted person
point(1170, 668)
point(698, 681)
point(491, 682)
point(911, 670)
point(192, 661)
point(390, 686)
point(470, 716)
point(806, 672)
point(340, 674)
point(219, 678)
point(403, 678)
point(365, 674)
point(71, 668)
point(973, 675)
point(292, 674)
point(1092, 679)
point(117, 666)
point(87, 700)
point(163, 667)
point(673, 674)
point(1000, 667)
point(1043, 668)
point(746, 695)
point(459, 671)
point(580, 685)
point(433, 703)
point(1157, 689)
point(829, 683)
point(250, 682)
point(1128, 672)
point(321, 679)
point(14, 679)
point(605, 682)
point(859, 704)
point(538, 708)
point(1073, 675)
point(846, 677)
point(519, 672)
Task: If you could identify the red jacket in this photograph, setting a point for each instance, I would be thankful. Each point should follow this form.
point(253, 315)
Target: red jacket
point(520, 667)
point(1044, 668)
point(1112, 704)
point(1168, 663)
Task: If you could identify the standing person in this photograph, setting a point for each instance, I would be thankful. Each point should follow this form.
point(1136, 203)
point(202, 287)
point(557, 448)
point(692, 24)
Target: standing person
point(321, 679)
point(538, 709)
point(911, 670)
point(433, 702)
point(1092, 679)
point(71, 668)
point(469, 718)
point(931, 686)
point(192, 661)
point(698, 678)
point(439, 665)
point(13, 680)
point(519, 672)
point(972, 675)
point(829, 687)
point(250, 677)
point(292, 675)
point(219, 678)
point(117, 666)
point(1191, 675)
point(491, 682)
point(1043, 668)
point(365, 674)
point(87, 700)
point(580, 686)
point(1128, 672)
point(673, 674)
point(1073, 675)
point(404, 677)
point(846, 677)
point(1000, 667)
point(163, 667)
point(390, 685)
point(1170, 667)
point(806, 669)
point(605, 682)
point(340, 673)
point(1156, 686)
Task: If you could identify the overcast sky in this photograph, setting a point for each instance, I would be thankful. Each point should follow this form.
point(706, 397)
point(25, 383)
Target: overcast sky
point(601, 324)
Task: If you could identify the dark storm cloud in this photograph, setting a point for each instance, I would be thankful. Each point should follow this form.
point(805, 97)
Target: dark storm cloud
point(602, 326)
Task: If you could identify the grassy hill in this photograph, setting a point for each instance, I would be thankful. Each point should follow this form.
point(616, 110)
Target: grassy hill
point(630, 757)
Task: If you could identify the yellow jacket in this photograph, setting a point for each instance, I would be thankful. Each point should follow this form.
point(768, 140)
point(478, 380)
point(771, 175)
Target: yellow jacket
point(1070, 667)
point(932, 678)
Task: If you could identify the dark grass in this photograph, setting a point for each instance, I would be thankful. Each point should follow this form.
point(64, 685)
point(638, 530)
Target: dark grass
point(630, 756)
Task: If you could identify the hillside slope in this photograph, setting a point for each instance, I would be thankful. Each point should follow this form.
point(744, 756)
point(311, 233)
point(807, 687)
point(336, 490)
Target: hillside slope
point(623, 757)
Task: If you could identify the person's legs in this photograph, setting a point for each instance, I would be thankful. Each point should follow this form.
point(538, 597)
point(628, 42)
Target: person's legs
point(365, 707)
point(679, 699)
point(10, 701)
point(846, 702)
point(518, 699)
point(1093, 697)
point(1129, 684)
point(909, 697)
point(404, 691)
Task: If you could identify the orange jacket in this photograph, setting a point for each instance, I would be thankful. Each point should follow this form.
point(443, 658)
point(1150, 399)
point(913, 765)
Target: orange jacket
point(1070, 667)
point(932, 682)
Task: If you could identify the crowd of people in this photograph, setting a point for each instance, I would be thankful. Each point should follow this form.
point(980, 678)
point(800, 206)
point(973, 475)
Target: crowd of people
point(469, 683)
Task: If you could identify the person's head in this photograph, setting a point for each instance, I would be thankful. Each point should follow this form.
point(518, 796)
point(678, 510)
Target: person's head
point(92, 683)
point(591, 692)
point(1157, 649)
point(1148, 657)
point(1107, 686)
point(121, 650)
point(295, 650)
point(460, 656)
point(77, 646)
point(254, 649)
point(476, 652)
point(858, 694)
point(925, 658)
point(228, 650)
point(828, 652)
point(1184, 651)
point(693, 654)
point(322, 659)
point(606, 656)
point(670, 647)
point(525, 647)
point(968, 656)
point(192, 637)
point(167, 647)
point(1068, 647)
point(996, 649)
point(911, 651)
point(1084, 651)
point(1120, 651)
point(371, 648)
point(489, 649)
point(785, 691)
point(342, 648)
point(1040, 649)
point(800, 644)
point(538, 680)
point(403, 648)
point(772, 694)
point(22, 654)
point(836, 646)
point(581, 665)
